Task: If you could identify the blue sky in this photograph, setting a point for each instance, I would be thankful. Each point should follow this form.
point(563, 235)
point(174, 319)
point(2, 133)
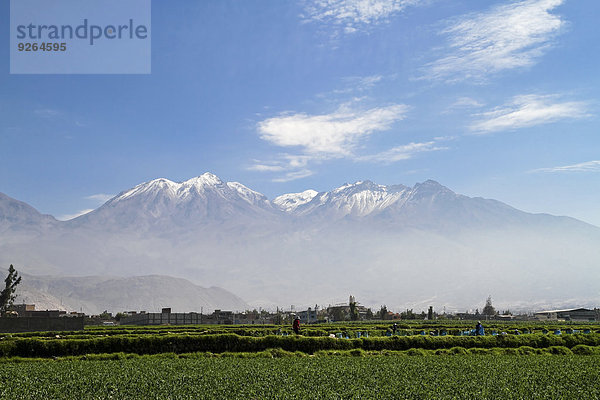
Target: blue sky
point(497, 99)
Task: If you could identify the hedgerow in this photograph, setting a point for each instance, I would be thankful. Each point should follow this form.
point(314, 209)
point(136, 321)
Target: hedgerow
point(183, 343)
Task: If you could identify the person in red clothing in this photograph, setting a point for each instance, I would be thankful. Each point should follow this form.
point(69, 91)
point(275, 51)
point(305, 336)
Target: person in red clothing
point(296, 325)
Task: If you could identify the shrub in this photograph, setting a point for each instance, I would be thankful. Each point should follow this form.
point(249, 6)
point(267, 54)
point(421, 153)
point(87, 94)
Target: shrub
point(584, 350)
point(357, 353)
point(458, 351)
point(559, 350)
point(279, 353)
point(417, 352)
point(479, 351)
point(527, 350)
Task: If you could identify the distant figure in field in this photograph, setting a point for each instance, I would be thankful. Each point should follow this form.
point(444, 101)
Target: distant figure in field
point(394, 328)
point(479, 329)
point(296, 326)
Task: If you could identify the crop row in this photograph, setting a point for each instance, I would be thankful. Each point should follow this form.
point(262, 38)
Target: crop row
point(455, 328)
point(181, 343)
point(488, 377)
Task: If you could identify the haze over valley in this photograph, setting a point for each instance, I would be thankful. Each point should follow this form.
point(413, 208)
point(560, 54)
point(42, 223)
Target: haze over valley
point(403, 246)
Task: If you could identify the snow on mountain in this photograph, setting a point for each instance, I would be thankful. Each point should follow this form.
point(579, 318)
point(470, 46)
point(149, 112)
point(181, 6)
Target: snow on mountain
point(250, 195)
point(198, 188)
point(164, 202)
point(291, 201)
point(148, 189)
point(359, 199)
point(208, 197)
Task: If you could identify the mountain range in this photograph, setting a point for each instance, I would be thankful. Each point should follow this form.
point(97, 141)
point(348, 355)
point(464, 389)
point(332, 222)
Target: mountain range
point(95, 294)
point(406, 247)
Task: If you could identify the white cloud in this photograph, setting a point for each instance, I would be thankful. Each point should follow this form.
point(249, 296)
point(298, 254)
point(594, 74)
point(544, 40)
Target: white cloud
point(298, 161)
point(285, 162)
point(363, 82)
point(334, 134)
point(67, 217)
point(265, 167)
point(351, 16)
point(46, 112)
point(463, 103)
point(329, 136)
point(293, 165)
point(400, 153)
point(100, 197)
point(528, 110)
point(291, 176)
point(588, 166)
point(355, 84)
point(510, 36)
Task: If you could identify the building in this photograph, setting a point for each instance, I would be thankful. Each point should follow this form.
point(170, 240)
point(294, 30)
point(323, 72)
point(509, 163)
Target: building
point(163, 319)
point(574, 314)
point(309, 316)
point(27, 319)
point(22, 308)
point(166, 317)
point(28, 310)
point(341, 312)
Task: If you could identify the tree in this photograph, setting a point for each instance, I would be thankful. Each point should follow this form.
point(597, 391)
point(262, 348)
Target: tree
point(489, 310)
point(383, 312)
point(337, 313)
point(430, 313)
point(408, 314)
point(7, 296)
point(353, 310)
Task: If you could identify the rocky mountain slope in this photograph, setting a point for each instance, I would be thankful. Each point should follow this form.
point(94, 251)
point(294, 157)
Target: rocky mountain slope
point(94, 294)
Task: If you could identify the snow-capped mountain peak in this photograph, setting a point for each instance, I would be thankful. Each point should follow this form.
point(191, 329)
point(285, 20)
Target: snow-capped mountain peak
point(152, 187)
point(248, 194)
point(357, 199)
point(430, 188)
point(291, 201)
point(227, 234)
point(199, 195)
point(205, 197)
point(206, 179)
point(168, 188)
point(358, 187)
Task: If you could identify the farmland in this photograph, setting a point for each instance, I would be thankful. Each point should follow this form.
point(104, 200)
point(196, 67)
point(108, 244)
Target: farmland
point(421, 360)
point(314, 338)
point(166, 376)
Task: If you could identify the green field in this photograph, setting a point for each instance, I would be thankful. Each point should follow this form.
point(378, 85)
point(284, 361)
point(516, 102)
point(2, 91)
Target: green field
point(378, 377)
point(361, 361)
